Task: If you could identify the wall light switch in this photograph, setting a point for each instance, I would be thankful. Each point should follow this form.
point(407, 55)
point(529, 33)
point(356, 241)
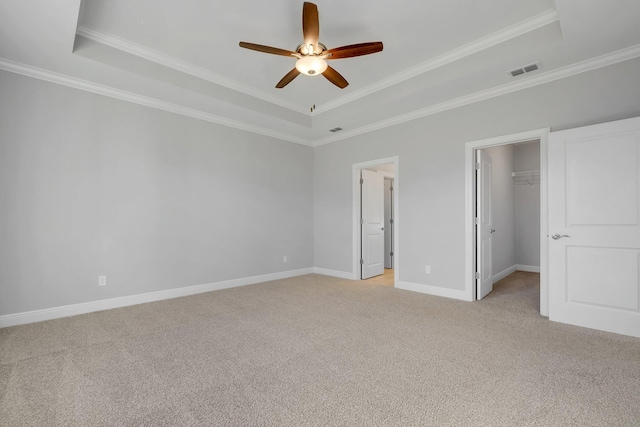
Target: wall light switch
point(285, 259)
point(102, 281)
point(427, 269)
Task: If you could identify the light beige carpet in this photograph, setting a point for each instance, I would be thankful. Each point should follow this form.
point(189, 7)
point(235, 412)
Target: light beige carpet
point(316, 350)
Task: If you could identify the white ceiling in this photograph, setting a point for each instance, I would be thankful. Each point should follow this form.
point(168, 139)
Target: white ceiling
point(184, 56)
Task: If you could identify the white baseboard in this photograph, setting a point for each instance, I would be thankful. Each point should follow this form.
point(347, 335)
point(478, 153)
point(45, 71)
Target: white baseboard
point(503, 274)
point(334, 273)
point(433, 290)
point(107, 304)
point(529, 268)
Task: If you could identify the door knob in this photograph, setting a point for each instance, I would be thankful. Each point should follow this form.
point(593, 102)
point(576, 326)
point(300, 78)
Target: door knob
point(558, 236)
point(382, 228)
point(493, 231)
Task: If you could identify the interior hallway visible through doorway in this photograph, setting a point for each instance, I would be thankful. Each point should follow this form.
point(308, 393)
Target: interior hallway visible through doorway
point(385, 278)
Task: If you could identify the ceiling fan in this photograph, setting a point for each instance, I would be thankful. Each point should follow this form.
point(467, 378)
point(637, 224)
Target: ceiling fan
point(313, 55)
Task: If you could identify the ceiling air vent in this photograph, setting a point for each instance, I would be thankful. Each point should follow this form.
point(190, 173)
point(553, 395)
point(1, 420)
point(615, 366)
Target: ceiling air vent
point(526, 69)
point(334, 130)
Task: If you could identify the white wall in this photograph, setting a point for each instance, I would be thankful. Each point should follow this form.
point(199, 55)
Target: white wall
point(527, 214)
point(503, 208)
point(431, 174)
point(94, 186)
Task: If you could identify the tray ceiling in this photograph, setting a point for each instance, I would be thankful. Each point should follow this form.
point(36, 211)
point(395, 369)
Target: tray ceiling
point(184, 56)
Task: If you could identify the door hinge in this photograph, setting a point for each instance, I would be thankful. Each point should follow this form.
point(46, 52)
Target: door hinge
point(476, 220)
point(361, 181)
point(391, 254)
point(477, 166)
point(477, 275)
point(361, 221)
point(391, 188)
point(391, 221)
point(361, 261)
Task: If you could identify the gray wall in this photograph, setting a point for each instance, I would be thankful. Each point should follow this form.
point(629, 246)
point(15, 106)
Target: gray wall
point(431, 172)
point(527, 251)
point(94, 186)
point(503, 205)
point(91, 185)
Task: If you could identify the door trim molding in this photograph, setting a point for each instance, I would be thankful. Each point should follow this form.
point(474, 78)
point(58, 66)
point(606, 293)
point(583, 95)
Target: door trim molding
point(355, 196)
point(470, 201)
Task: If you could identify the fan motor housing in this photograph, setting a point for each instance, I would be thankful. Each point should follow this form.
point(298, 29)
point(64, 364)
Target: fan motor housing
point(301, 45)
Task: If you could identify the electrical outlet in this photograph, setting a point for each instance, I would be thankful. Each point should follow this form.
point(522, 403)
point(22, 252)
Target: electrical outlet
point(285, 259)
point(102, 281)
point(427, 269)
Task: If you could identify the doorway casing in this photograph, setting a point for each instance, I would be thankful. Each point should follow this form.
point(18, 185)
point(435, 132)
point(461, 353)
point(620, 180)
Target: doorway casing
point(470, 203)
point(357, 237)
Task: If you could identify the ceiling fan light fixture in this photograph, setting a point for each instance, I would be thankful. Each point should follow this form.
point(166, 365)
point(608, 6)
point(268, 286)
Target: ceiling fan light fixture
point(312, 55)
point(311, 65)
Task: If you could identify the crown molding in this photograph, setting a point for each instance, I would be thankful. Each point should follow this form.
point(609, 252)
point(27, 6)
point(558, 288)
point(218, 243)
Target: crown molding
point(74, 82)
point(182, 66)
point(526, 83)
point(546, 18)
point(531, 24)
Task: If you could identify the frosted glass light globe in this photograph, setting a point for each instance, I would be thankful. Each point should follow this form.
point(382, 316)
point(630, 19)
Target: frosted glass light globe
point(311, 65)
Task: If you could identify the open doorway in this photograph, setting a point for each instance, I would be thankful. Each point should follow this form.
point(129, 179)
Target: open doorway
point(508, 212)
point(375, 212)
point(484, 265)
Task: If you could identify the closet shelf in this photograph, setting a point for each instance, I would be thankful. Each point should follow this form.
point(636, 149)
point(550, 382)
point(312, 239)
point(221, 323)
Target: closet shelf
point(525, 173)
point(530, 178)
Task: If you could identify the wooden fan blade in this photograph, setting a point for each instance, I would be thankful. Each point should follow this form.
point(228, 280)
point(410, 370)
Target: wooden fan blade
point(266, 49)
point(310, 25)
point(288, 78)
point(353, 50)
point(335, 77)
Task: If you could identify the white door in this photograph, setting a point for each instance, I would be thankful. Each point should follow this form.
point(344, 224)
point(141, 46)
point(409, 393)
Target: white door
point(372, 209)
point(388, 223)
point(594, 227)
point(484, 224)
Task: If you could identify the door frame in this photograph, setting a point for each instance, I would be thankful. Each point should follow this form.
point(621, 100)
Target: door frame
point(356, 231)
point(470, 203)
